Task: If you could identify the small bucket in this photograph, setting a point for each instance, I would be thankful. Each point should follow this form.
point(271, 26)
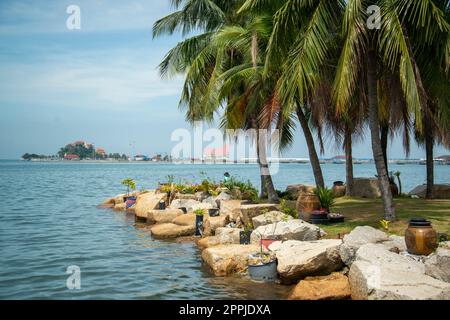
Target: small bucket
point(264, 272)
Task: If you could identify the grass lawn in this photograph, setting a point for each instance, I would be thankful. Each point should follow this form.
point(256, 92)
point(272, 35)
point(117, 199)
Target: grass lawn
point(358, 212)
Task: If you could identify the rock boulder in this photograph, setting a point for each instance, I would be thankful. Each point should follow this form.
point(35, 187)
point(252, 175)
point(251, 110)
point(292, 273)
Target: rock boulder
point(299, 259)
point(294, 229)
point(228, 259)
point(146, 202)
point(249, 211)
point(332, 287)
point(187, 219)
point(294, 190)
point(440, 191)
point(163, 216)
point(366, 188)
point(171, 231)
point(269, 218)
point(183, 203)
point(438, 265)
point(357, 238)
point(210, 224)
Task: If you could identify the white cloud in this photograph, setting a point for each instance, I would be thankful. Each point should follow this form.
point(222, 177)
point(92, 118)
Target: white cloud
point(118, 78)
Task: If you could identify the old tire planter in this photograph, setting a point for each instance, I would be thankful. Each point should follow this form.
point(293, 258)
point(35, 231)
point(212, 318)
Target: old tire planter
point(244, 237)
point(319, 217)
point(198, 225)
point(263, 272)
point(213, 212)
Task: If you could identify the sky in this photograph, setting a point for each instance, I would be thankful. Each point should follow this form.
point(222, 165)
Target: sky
point(99, 83)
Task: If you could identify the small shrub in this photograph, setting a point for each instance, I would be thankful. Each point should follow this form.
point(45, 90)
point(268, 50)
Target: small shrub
point(288, 211)
point(326, 198)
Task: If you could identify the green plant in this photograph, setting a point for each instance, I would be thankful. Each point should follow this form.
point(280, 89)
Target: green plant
point(288, 211)
point(248, 227)
point(130, 184)
point(247, 190)
point(200, 212)
point(385, 224)
point(188, 189)
point(326, 197)
point(170, 178)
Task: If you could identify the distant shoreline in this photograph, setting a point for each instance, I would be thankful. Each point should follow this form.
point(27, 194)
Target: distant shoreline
point(249, 161)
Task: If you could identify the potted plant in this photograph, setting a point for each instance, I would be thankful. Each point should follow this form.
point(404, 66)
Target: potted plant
point(262, 266)
point(327, 200)
point(199, 213)
point(244, 236)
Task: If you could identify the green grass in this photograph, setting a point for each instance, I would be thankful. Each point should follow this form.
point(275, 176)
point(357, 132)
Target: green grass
point(359, 212)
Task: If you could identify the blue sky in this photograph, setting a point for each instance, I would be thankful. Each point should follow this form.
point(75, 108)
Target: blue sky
point(99, 83)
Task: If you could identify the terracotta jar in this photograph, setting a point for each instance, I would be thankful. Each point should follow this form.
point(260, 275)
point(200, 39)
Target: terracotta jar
point(307, 203)
point(420, 237)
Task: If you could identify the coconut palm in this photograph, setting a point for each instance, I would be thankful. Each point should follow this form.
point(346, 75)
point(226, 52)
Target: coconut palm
point(388, 50)
point(205, 58)
point(299, 46)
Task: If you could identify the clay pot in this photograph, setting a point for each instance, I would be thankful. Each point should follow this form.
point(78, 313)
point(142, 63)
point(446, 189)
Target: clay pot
point(339, 191)
point(420, 237)
point(307, 203)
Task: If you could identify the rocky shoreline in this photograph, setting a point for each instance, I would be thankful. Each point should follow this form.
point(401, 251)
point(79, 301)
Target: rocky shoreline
point(367, 264)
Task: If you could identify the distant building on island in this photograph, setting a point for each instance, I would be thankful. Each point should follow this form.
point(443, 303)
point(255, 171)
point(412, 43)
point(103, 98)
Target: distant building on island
point(71, 157)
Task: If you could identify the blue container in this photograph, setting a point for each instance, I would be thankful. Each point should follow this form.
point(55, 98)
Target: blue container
point(198, 224)
point(264, 272)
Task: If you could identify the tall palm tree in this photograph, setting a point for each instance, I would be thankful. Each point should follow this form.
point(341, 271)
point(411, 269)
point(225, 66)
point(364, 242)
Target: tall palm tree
point(205, 58)
point(387, 50)
point(298, 46)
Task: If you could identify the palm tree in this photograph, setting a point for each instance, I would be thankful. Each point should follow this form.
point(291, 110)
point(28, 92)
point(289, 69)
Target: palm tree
point(298, 46)
point(387, 50)
point(205, 59)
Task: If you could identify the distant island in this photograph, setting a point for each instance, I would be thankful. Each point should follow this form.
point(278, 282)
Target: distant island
point(81, 150)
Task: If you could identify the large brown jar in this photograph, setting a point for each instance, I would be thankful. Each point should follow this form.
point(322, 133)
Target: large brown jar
point(307, 203)
point(420, 237)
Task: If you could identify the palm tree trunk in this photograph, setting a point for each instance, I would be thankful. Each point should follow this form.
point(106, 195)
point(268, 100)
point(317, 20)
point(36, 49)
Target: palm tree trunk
point(266, 179)
point(314, 159)
point(429, 142)
point(348, 161)
point(386, 194)
point(384, 143)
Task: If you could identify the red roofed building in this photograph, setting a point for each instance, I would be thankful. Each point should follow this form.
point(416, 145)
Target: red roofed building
point(71, 157)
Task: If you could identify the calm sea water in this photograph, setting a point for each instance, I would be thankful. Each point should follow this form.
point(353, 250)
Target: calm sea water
point(49, 221)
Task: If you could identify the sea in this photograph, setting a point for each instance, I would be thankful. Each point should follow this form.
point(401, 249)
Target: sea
point(56, 244)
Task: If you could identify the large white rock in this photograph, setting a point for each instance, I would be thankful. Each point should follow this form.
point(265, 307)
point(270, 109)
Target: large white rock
point(294, 229)
point(228, 259)
point(438, 265)
point(269, 218)
point(146, 202)
point(395, 242)
point(378, 254)
point(299, 259)
point(382, 282)
point(358, 237)
point(223, 236)
point(231, 235)
point(183, 203)
point(379, 274)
